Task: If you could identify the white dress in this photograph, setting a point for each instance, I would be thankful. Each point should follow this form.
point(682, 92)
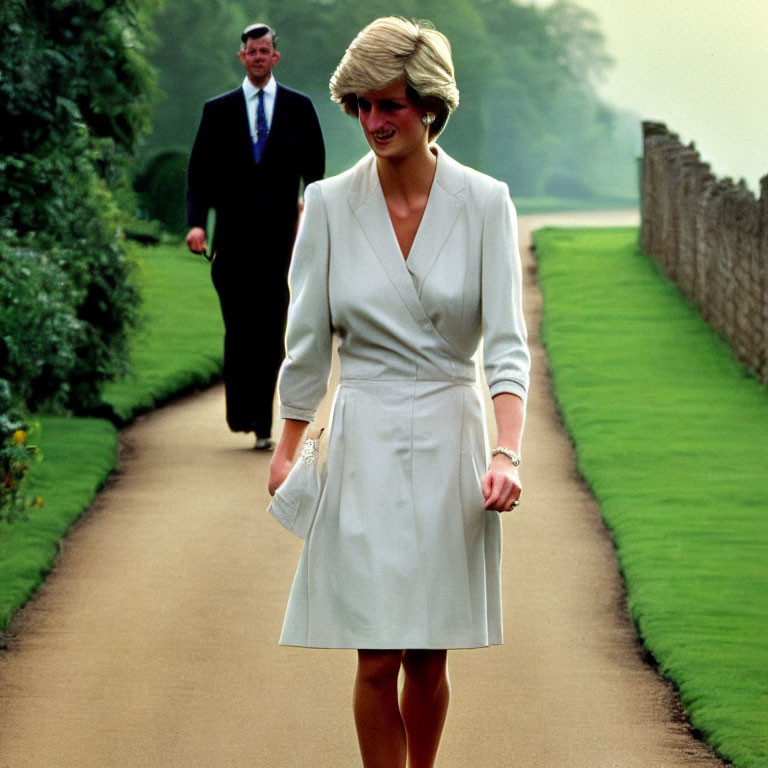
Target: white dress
point(402, 553)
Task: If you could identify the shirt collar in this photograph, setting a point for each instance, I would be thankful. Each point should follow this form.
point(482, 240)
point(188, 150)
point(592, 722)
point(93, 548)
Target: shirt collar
point(250, 90)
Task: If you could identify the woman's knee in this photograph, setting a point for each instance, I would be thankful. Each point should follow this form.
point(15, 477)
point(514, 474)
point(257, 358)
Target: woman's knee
point(378, 668)
point(427, 669)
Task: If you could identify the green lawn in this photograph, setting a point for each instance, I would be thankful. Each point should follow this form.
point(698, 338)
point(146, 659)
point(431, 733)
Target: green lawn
point(177, 348)
point(672, 437)
point(78, 457)
point(179, 344)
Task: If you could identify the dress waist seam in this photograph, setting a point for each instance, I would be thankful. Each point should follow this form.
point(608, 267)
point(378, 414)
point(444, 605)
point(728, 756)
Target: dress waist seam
point(411, 379)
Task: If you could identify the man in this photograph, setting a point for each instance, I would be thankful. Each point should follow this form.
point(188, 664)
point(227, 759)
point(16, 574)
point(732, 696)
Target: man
point(253, 148)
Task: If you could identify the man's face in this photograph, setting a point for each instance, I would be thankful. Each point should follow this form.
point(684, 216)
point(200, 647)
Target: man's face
point(258, 58)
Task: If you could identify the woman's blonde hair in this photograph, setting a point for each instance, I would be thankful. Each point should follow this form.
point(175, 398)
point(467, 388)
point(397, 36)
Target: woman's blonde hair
point(389, 48)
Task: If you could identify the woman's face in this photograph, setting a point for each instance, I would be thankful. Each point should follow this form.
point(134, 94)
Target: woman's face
point(391, 123)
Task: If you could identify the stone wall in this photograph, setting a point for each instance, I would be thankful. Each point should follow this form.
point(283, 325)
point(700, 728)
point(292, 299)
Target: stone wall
point(711, 237)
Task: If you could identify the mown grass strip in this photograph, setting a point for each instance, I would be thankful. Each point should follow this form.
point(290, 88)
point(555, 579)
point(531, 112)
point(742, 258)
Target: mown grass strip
point(177, 348)
point(533, 205)
point(672, 437)
point(78, 457)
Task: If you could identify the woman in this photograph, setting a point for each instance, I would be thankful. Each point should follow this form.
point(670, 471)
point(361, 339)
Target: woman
point(410, 258)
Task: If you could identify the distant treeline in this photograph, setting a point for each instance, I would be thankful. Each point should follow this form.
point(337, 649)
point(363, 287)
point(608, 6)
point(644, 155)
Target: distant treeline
point(529, 113)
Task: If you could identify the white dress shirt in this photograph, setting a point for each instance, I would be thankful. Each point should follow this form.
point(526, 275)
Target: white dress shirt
point(252, 99)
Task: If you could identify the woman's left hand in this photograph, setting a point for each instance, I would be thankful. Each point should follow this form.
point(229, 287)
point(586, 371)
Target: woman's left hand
point(279, 468)
point(501, 484)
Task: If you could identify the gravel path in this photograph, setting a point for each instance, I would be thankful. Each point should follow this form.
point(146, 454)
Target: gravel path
point(154, 642)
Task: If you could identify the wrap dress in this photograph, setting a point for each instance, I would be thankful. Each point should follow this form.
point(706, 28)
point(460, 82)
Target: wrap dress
point(402, 553)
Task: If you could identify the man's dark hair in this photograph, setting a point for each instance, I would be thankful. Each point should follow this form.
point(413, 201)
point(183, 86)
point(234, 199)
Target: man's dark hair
point(255, 31)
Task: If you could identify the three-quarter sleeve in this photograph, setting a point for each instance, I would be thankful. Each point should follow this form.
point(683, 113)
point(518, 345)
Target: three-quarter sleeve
point(505, 350)
point(308, 339)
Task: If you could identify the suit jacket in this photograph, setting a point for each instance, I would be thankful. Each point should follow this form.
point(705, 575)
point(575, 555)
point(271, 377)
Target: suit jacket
point(222, 174)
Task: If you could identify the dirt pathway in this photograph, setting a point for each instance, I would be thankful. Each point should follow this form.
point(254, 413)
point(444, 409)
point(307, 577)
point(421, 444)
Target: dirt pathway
point(154, 642)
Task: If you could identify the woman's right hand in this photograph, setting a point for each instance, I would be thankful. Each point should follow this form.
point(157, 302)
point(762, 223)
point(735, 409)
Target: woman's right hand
point(279, 468)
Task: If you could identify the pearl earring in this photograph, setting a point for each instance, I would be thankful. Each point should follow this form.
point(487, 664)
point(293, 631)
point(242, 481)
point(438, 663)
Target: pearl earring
point(428, 119)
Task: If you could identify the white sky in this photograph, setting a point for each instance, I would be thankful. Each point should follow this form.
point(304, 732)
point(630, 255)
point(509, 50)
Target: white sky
point(700, 66)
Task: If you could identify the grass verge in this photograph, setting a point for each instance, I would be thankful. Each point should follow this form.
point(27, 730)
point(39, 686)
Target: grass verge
point(672, 437)
point(78, 457)
point(177, 348)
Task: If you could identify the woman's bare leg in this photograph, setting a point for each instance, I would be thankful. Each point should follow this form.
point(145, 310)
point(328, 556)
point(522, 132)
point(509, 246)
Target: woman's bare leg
point(380, 729)
point(424, 704)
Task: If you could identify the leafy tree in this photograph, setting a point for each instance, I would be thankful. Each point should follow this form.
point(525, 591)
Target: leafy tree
point(74, 92)
point(578, 42)
point(195, 56)
point(521, 70)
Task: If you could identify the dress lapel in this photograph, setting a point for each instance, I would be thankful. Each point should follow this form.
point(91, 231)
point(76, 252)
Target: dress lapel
point(445, 201)
point(370, 209)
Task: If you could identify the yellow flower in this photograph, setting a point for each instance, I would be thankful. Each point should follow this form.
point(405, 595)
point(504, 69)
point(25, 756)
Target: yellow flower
point(39, 501)
point(19, 437)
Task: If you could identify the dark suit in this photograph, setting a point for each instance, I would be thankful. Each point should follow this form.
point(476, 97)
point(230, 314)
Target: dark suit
point(256, 214)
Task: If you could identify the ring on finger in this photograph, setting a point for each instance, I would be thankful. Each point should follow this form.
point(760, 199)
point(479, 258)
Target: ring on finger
point(516, 503)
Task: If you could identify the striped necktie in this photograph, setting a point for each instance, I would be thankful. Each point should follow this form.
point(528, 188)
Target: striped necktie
point(261, 128)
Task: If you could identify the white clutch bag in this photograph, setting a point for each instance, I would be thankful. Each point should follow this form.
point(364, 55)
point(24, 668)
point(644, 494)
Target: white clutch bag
point(295, 502)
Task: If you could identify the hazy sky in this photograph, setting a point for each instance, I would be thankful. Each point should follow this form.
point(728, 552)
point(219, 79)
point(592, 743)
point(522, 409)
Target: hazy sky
point(701, 67)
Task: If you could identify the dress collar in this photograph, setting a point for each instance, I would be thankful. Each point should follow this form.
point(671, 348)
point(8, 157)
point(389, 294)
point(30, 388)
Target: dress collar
point(446, 199)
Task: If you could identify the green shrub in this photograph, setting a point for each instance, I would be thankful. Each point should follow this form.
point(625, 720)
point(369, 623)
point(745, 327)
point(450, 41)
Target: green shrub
point(16, 458)
point(161, 187)
point(40, 332)
point(74, 91)
point(67, 308)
